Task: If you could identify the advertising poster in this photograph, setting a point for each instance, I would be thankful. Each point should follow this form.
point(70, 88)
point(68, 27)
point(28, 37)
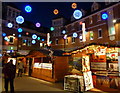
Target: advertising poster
point(113, 67)
point(85, 64)
point(88, 80)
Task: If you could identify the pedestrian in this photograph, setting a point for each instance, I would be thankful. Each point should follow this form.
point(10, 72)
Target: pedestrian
point(9, 71)
point(20, 68)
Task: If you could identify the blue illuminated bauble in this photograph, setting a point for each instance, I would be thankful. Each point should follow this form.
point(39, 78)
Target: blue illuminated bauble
point(33, 41)
point(42, 39)
point(20, 30)
point(104, 16)
point(34, 36)
point(75, 34)
point(3, 34)
point(63, 31)
point(19, 35)
point(19, 19)
point(28, 9)
point(77, 14)
point(9, 25)
point(38, 38)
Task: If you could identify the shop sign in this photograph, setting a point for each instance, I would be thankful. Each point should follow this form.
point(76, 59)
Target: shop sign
point(88, 80)
point(98, 66)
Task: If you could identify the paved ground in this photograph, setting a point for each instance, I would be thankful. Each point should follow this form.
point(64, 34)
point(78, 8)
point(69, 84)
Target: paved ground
point(27, 84)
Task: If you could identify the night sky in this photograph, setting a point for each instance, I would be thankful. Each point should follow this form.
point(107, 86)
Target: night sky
point(43, 11)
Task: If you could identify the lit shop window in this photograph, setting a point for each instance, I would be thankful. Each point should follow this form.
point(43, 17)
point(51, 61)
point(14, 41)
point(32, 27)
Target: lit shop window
point(11, 39)
point(81, 37)
point(41, 44)
point(91, 35)
point(73, 40)
point(98, 17)
point(56, 41)
point(90, 20)
point(66, 41)
point(112, 31)
point(99, 33)
point(24, 42)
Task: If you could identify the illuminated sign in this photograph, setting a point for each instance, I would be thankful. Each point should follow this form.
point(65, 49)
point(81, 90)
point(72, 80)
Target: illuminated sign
point(77, 14)
point(34, 36)
point(38, 24)
point(19, 19)
point(104, 16)
point(33, 41)
point(20, 30)
point(10, 25)
point(28, 9)
point(75, 34)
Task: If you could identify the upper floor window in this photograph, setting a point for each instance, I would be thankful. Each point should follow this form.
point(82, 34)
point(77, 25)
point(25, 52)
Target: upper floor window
point(66, 41)
point(11, 40)
point(24, 42)
point(73, 40)
point(98, 17)
point(91, 35)
point(90, 20)
point(56, 41)
point(99, 33)
point(95, 6)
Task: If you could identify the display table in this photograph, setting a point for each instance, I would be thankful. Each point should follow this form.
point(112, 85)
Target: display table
point(74, 83)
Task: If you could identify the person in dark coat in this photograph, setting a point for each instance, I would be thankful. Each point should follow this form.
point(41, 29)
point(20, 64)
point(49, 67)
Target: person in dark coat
point(9, 71)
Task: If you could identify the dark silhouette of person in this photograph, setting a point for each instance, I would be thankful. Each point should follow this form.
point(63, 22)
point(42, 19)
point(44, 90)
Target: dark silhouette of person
point(9, 71)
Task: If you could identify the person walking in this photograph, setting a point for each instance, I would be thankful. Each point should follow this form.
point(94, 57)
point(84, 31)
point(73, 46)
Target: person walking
point(20, 68)
point(9, 71)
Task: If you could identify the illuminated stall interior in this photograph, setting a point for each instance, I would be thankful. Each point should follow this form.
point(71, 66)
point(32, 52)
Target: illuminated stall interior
point(48, 66)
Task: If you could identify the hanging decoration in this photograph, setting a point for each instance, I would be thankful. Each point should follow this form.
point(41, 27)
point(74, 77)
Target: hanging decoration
point(9, 25)
point(28, 9)
point(74, 5)
point(38, 24)
point(20, 30)
point(3, 34)
point(75, 34)
point(34, 36)
point(19, 35)
point(104, 16)
point(33, 41)
point(38, 38)
point(63, 32)
point(56, 11)
point(43, 40)
point(77, 14)
point(19, 19)
point(52, 29)
point(27, 33)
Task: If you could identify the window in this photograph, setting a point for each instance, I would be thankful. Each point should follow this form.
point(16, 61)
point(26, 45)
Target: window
point(66, 41)
point(98, 17)
point(13, 15)
point(90, 20)
point(24, 42)
point(80, 37)
point(29, 43)
point(73, 40)
point(11, 40)
point(91, 35)
point(99, 33)
point(112, 30)
point(56, 41)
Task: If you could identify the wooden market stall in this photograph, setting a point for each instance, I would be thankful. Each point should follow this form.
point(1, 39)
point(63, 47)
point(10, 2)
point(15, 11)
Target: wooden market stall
point(48, 66)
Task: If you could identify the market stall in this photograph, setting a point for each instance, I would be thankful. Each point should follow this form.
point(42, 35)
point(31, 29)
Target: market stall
point(48, 66)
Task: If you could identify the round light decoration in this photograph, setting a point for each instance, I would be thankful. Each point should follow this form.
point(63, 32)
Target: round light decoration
point(56, 11)
point(104, 16)
point(38, 38)
point(34, 36)
point(20, 30)
point(28, 9)
point(19, 35)
point(19, 19)
point(33, 41)
point(3, 34)
point(52, 28)
point(75, 34)
point(63, 31)
point(42, 39)
point(27, 33)
point(38, 24)
point(77, 14)
point(74, 5)
point(9, 25)
point(6, 38)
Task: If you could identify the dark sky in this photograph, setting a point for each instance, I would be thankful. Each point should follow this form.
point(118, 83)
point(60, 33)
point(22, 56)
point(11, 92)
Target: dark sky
point(43, 11)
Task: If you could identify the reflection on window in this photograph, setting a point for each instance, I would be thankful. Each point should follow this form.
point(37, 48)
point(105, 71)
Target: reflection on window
point(99, 33)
